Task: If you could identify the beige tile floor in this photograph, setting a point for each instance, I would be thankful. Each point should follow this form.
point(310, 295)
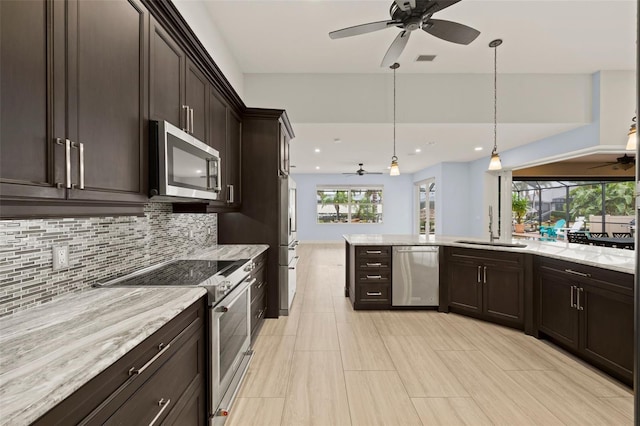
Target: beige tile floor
point(326, 364)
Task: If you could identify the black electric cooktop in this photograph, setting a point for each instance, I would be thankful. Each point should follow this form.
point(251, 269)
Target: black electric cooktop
point(181, 273)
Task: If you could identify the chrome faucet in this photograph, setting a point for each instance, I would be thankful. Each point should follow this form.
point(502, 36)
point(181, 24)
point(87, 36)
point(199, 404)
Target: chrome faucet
point(491, 236)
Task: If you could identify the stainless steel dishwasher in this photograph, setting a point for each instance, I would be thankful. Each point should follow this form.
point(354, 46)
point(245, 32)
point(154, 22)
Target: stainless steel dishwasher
point(415, 276)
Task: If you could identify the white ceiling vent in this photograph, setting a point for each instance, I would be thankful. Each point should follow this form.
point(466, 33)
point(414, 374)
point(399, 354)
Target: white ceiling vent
point(425, 58)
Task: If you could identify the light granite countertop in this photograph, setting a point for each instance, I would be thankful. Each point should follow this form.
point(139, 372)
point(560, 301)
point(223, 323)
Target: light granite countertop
point(48, 352)
point(602, 257)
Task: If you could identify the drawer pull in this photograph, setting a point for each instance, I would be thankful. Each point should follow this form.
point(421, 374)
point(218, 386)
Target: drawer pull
point(260, 314)
point(163, 403)
point(374, 252)
point(162, 348)
point(374, 293)
point(374, 277)
point(261, 285)
point(374, 264)
point(582, 274)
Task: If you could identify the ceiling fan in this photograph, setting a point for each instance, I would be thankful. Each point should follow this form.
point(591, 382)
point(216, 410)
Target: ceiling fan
point(411, 15)
point(625, 163)
point(362, 172)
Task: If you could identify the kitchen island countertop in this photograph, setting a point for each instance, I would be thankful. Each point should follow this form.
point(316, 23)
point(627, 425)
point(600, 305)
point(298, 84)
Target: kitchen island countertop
point(614, 259)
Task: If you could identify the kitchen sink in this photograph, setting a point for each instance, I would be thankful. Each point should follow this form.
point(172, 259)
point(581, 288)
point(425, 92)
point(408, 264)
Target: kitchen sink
point(495, 244)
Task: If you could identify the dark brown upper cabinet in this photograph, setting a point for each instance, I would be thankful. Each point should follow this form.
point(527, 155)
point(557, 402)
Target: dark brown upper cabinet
point(73, 108)
point(233, 170)
point(179, 89)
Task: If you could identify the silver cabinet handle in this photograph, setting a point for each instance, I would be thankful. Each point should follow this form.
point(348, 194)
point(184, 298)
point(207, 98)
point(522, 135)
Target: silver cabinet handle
point(485, 275)
point(374, 293)
point(261, 285)
point(582, 274)
point(374, 277)
point(186, 118)
point(260, 314)
point(163, 403)
point(67, 163)
point(230, 194)
point(296, 258)
point(571, 304)
point(374, 252)
point(162, 349)
point(374, 264)
point(80, 147)
point(191, 117)
point(479, 268)
point(580, 290)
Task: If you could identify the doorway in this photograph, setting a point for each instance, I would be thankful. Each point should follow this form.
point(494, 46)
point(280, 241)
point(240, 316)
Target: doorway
point(425, 201)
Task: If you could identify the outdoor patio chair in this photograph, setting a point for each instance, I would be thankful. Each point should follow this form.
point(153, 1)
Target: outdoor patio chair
point(577, 226)
point(622, 235)
point(551, 231)
point(577, 237)
point(599, 234)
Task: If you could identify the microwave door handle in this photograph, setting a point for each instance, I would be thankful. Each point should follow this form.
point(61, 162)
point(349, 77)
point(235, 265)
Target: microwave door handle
point(219, 171)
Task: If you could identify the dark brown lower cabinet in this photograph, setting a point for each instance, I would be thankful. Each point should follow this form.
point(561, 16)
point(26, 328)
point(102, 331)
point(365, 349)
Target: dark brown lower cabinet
point(489, 285)
point(588, 311)
point(258, 295)
point(370, 277)
point(161, 379)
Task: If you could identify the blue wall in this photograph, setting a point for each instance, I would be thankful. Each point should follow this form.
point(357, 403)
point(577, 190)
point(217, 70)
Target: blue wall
point(396, 209)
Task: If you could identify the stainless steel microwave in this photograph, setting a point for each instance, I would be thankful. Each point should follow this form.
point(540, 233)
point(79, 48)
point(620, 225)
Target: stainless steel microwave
point(181, 167)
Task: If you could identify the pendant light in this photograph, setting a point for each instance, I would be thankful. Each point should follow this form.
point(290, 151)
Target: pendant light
point(394, 170)
point(494, 163)
point(632, 143)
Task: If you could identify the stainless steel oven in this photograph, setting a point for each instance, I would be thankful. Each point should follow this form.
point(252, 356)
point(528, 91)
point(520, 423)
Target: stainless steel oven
point(230, 336)
point(181, 167)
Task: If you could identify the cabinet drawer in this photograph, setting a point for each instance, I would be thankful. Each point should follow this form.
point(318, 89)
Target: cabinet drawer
point(365, 264)
point(259, 286)
point(258, 311)
point(597, 277)
point(485, 257)
point(155, 399)
point(374, 276)
point(374, 293)
point(259, 262)
point(374, 252)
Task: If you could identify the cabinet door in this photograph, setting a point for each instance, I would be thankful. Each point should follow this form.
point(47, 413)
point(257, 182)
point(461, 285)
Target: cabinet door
point(166, 78)
point(30, 162)
point(503, 297)
point(606, 329)
point(196, 94)
point(557, 318)
point(465, 287)
point(234, 144)
point(107, 45)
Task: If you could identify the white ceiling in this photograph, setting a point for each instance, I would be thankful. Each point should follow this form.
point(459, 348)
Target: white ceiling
point(542, 36)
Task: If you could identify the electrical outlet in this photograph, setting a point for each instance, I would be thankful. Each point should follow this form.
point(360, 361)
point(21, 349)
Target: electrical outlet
point(60, 257)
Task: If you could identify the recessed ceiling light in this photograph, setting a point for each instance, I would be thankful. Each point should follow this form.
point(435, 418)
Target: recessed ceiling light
point(198, 171)
point(478, 148)
point(418, 150)
point(388, 167)
point(317, 167)
point(317, 150)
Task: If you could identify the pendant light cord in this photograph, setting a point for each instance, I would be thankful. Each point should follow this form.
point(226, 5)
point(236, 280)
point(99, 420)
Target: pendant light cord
point(495, 99)
point(394, 111)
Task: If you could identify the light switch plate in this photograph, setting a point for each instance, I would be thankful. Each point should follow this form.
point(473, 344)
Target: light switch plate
point(60, 257)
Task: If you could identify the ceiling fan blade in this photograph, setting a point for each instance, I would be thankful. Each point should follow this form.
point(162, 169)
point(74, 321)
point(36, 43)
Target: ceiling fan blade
point(374, 173)
point(604, 165)
point(406, 5)
point(363, 29)
point(396, 48)
point(451, 31)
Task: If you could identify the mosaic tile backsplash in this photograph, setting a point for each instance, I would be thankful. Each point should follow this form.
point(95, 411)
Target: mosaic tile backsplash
point(99, 248)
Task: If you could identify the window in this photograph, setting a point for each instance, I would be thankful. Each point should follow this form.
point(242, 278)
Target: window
point(349, 204)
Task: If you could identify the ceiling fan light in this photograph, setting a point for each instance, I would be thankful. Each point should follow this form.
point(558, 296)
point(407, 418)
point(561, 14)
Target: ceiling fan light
point(394, 170)
point(495, 163)
point(632, 142)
